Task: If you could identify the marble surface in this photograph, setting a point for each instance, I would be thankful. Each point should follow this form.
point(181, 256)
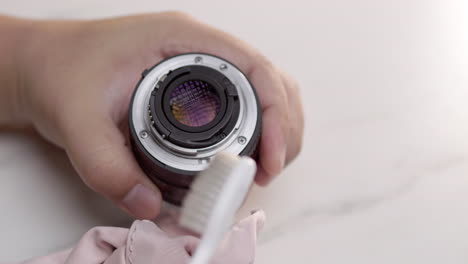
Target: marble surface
point(383, 176)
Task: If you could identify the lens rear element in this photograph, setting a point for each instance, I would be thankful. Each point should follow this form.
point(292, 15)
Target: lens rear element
point(194, 103)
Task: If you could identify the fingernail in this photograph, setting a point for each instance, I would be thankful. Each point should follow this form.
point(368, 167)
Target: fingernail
point(142, 202)
point(283, 156)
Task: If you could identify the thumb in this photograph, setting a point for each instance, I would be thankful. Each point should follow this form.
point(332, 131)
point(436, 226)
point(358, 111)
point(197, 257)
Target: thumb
point(105, 162)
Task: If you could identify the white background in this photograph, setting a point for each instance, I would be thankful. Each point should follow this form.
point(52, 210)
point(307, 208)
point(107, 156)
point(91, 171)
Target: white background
point(383, 177)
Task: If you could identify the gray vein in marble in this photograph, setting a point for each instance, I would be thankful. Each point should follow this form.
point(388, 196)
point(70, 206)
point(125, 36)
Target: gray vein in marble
point(327, 212)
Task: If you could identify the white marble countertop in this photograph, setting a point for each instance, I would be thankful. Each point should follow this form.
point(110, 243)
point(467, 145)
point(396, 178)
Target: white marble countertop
point(383, 177)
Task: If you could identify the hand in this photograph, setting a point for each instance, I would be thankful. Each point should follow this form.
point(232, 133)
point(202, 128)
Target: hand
point(77, 78)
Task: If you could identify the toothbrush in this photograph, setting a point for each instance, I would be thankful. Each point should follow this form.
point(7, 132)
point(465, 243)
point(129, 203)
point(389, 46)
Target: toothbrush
point(214, 198)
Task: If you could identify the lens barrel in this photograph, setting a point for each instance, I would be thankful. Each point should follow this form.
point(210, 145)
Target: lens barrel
point(184, 111)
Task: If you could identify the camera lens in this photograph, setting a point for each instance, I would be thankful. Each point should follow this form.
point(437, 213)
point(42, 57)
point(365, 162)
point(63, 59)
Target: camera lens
point(184, 111)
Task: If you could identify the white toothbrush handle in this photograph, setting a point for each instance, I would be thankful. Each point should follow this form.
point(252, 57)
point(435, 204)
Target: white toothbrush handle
point(233, 194)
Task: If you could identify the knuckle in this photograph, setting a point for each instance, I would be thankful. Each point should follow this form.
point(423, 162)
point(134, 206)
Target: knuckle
point(98, 170)
point(179, 16)
point(295, 147)
point(265, 62)
point(295, 85)
point(95, 175)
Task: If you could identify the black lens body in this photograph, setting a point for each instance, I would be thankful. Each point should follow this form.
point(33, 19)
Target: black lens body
point(173, 182)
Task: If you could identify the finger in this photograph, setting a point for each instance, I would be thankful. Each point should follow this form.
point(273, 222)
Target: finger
point(296, 126)
point(106, 164)
point(187, 34)
point(296, 117)
point(272, 147)
point(275, 128)
point(197, 37)
point(262, 177)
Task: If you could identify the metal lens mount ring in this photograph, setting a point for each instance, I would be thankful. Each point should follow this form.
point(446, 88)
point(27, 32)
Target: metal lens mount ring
point(172, 153)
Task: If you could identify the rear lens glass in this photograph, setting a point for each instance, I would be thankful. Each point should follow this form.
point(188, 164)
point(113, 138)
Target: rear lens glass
point(194, 103)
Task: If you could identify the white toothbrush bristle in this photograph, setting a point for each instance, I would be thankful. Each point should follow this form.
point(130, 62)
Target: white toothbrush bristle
point(205, 191)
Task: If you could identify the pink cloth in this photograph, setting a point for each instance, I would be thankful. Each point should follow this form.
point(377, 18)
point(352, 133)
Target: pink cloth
point(165, 243)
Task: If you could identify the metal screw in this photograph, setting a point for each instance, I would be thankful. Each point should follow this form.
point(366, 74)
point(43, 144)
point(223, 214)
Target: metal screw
point(198, 59)
point(143, 134)
point(223, 66)
point(242, 140)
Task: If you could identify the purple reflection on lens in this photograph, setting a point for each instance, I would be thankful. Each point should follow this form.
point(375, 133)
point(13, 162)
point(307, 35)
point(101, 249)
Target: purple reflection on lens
point(194, 103)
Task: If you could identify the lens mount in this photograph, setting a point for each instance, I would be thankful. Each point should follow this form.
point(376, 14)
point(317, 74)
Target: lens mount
point(184, 111)
point(182, 134)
